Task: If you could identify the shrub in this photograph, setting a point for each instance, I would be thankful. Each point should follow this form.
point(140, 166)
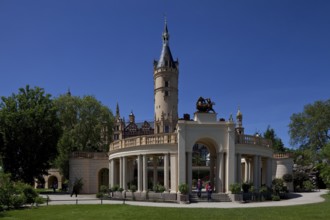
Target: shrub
point(276, 198)
point(288, 178)
point(17, 200)
point(159, 188)
point(235, 188)
point(104, 189)
point(246, 187)
point(115, 188)
point(120, 189)
point(277, 186)
point(133, 188)
point(184, 188)
point(99, 195)
point(308, 186)
point(298, 180)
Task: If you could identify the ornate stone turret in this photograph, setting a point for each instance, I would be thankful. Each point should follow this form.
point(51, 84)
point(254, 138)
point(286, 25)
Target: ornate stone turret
point(119, 125)
point(166, 74)
point(239, 119)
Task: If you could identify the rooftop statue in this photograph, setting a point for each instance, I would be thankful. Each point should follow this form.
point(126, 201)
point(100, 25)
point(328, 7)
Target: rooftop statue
point(205, 105)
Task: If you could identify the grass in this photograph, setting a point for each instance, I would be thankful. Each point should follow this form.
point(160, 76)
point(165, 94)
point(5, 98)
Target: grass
point(99, 212)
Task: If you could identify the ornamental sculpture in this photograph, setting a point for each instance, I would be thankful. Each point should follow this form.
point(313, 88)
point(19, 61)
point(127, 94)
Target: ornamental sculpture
point(205, 105)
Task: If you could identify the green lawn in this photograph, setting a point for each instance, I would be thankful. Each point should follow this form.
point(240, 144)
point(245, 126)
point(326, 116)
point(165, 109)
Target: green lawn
point(95, 212)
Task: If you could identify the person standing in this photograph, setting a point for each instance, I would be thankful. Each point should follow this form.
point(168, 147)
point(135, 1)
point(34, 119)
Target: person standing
point(199, 188)
point(209, 191)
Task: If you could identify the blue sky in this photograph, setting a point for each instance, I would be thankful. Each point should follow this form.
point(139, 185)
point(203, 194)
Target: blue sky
point(268, 57)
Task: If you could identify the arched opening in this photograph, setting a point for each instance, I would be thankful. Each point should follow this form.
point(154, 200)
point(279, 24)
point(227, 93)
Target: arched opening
point(203, 164)
point(103, 177)
point(52, 182)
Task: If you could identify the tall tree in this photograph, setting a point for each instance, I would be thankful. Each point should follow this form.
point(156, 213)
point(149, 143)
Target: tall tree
point(310, 128)
point(29, 130)
point(278, 145)
point(87, 126)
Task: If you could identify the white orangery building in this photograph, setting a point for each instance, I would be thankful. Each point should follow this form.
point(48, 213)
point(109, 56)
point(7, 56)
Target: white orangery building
point(170, 151)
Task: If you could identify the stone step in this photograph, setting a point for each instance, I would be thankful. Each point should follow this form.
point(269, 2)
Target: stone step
point(216, 197)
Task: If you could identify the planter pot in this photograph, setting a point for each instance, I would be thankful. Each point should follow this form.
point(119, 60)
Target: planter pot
point(236, 197)
point(184, 199)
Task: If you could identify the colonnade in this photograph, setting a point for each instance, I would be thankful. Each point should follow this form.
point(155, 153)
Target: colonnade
point(247, 168)
point(122, 170)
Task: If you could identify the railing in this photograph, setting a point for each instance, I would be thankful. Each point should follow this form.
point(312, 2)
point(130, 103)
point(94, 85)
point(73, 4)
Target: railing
point(254, 140)
point(168, 138)
point(89, 155)
point(282, 155)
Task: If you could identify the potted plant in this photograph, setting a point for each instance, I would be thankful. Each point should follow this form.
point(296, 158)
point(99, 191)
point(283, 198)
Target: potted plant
point(184, 193)
point(236, 193)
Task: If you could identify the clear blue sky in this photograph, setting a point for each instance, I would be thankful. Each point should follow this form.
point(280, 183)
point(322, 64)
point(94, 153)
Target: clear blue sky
point(268, 57)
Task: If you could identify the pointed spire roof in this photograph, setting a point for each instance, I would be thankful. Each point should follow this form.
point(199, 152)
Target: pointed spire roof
point(117, 111)
point(166, 59)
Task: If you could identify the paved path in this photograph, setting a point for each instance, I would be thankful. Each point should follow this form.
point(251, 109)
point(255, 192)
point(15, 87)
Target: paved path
point(298, 199)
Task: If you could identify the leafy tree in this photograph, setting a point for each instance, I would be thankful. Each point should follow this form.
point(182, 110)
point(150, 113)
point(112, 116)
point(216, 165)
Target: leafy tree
point(86, 125)
point(29, 130)
point(310, 128)
point(278, 145)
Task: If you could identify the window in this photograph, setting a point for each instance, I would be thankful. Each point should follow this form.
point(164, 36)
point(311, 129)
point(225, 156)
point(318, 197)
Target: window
point(166, 83)
point(166, 93)
point(167, 129)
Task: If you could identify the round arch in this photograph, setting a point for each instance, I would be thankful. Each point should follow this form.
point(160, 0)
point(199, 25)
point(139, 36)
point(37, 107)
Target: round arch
point(103, 177)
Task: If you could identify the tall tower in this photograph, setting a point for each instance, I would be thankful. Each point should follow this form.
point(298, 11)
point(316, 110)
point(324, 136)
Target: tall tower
point(166, 74)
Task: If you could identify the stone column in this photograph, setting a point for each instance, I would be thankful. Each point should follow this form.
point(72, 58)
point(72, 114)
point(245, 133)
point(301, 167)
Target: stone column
point(174, 173)
point(269, 172)
point(111, 173)
point(247, 170)
point(219, 175)
point(230, 158)
point(212, 162)
point(139, 171)
point(155, 172)
point(239, 168)
point(256, 172)
point(121, 172)
point(145, 173)
point(189, 170)
point(124, 173)
point(166, 176)
point(182, 178)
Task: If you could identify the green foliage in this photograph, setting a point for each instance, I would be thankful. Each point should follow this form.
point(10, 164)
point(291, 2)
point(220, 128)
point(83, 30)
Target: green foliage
point(325, 173)
point(310, 128)
point(104, 189)
point(288, 178)
point(235, 188)
point(15, 194)
point(86, 125)
point(246, 187)
point(133, 188)
point(298, 179)
point(308, 186)
point(276, 198)
point(29, 130)
point(278, 186)
point(158, 188)
point(114, 188)
point(278, 145)
point(184, 188)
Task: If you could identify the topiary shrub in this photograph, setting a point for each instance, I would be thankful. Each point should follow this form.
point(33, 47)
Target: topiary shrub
point(159, 188)
point(133, 188)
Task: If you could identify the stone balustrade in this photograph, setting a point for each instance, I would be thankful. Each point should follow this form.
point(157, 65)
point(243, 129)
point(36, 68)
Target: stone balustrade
point(282, 155)
point(253, 140)
point(89, 155)
point(168, 138)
